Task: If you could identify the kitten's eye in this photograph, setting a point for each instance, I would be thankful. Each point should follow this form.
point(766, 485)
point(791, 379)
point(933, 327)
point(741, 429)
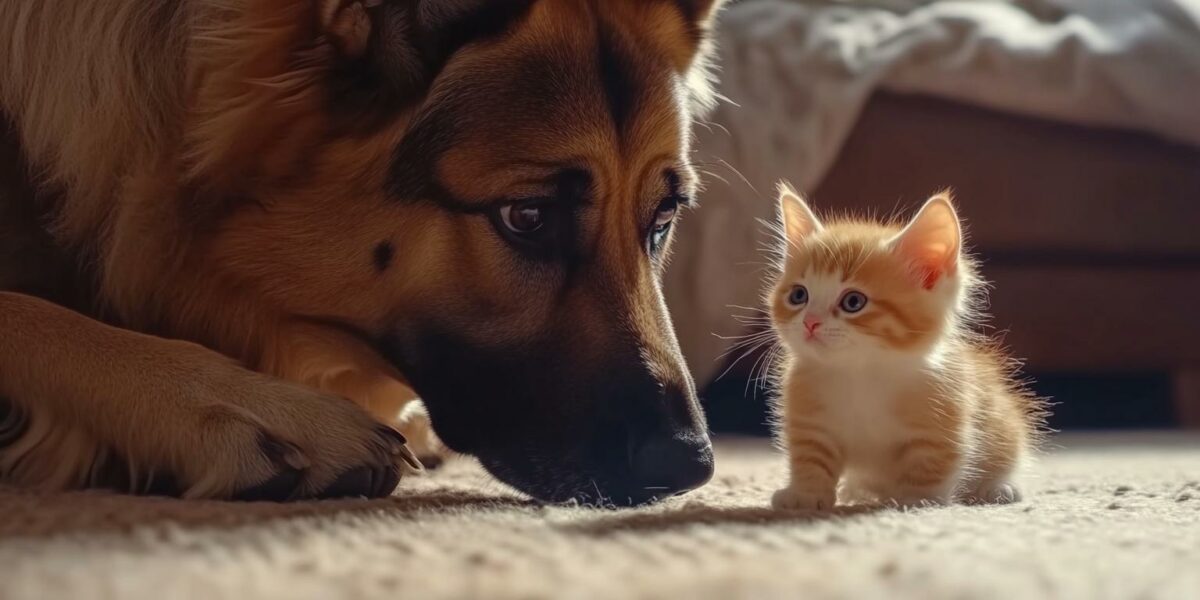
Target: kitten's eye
point(853, 301)
point(798, 296)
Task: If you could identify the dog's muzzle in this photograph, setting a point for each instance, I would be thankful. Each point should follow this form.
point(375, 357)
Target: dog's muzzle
point(558, 428)
point(668, 465)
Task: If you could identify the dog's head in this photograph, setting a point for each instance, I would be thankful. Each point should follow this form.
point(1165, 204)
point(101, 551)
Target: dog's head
point(486, 190)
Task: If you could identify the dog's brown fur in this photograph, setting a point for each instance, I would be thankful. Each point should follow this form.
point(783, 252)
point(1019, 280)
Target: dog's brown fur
point(310, 187)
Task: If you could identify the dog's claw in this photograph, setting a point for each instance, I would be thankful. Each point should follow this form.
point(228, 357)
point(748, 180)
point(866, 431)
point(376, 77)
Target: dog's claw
point(411, 459)
point(290, 461)
point(394, 436)
point(398, 447)
point(276, 489)
point(283, 453)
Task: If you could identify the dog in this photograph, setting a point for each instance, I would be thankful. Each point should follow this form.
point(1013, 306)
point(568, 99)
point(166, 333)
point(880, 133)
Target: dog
point(239, 237)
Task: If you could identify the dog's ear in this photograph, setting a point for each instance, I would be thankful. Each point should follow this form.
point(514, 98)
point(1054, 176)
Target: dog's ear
point(348, 23)
point(404, 44)
point(701, 12)
point(701, 16)
point(274, 74)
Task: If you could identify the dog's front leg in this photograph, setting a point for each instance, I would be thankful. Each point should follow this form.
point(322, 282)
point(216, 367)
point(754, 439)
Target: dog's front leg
point(339, 363)
point(82, 403)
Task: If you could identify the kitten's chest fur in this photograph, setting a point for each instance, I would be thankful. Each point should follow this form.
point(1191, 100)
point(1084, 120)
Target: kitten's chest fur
point(863, 406)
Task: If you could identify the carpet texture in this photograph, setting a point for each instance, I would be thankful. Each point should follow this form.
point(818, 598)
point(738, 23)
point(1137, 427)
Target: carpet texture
point(1107, 517)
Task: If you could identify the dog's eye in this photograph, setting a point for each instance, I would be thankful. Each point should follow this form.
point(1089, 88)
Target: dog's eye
point(665, 215)
point(523, 218)
point(529, 225)
point(663, 218)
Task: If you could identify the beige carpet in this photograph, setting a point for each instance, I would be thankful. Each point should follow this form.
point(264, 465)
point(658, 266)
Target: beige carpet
point(1108, 518)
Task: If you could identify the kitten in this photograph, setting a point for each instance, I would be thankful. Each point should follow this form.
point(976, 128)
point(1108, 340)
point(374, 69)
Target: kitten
point(887, 394)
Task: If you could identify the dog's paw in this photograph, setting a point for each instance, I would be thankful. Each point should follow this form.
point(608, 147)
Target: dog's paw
point(347, 452)
point(233, 454)
point(414, 423)
point(795, 498)
point(994, 492)
point(374, 473)
point(266, 439)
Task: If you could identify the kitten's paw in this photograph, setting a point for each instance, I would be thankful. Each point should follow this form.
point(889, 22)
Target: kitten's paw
point(794, 498)
point(996, 492)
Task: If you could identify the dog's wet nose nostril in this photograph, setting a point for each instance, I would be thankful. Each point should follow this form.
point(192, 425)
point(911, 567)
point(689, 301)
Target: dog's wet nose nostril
point(668, 465)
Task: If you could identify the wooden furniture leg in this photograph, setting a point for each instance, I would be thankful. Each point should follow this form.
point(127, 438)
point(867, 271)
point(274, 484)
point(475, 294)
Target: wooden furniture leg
point(1185, 391)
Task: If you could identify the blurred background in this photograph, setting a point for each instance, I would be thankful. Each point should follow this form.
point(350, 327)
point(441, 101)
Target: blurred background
point(1069, 131)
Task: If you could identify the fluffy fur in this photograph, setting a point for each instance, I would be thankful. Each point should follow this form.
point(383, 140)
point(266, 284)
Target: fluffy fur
point(312, 188)
point(886, 388)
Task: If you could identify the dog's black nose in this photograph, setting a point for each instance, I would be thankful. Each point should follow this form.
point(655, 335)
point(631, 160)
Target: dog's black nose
point(667, 465)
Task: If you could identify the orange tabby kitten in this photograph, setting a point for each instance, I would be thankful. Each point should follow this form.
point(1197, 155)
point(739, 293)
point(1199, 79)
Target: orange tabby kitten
point(887, 393)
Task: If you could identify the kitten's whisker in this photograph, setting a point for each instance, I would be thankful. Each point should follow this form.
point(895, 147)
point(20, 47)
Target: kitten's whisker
point(742, 336)
point(745, 336)
point(757, 342)
point(739, 359)
point(763, 316)
point(750, 308)
point(762, 358)
point(745, 343)
point(749, 320)
point(753, 322)
point(748, 346)
point(763, 375)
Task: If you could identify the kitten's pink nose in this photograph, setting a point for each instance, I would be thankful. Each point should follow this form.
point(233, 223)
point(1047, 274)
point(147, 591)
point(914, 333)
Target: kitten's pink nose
point(811, 323)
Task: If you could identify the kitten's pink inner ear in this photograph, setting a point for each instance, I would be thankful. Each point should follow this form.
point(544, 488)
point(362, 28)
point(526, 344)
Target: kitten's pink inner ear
point(799, 221)
point(931, 242)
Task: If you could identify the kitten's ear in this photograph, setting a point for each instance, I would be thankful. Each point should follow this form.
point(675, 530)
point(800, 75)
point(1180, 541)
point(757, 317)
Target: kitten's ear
point(932, 240)
point(798, 219)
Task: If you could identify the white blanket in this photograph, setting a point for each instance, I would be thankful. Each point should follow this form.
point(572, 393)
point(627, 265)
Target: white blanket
point(797, 75)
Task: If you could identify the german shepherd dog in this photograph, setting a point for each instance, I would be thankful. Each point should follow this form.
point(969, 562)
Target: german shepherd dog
point(238, 236)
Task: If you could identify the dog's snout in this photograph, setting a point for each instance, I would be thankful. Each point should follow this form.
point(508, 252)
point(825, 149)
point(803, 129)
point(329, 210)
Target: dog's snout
point(669, 449)
point(665, 465)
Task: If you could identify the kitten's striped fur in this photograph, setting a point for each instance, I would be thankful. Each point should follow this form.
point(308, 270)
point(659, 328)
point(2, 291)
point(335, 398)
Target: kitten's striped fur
point(891, 395)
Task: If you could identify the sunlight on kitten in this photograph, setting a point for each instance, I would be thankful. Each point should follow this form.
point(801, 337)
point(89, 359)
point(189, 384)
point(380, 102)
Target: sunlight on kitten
point(887, 392)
